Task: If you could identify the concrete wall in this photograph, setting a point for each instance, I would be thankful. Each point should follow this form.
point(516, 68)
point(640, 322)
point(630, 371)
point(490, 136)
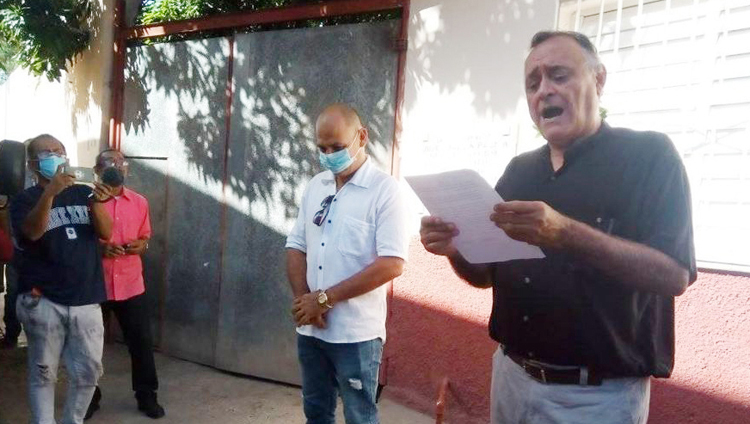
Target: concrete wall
point(465, 108)
point(438, 328)
point(75, 109)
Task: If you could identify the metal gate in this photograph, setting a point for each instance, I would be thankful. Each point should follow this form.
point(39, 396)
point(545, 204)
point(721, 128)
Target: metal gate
point(220, 137)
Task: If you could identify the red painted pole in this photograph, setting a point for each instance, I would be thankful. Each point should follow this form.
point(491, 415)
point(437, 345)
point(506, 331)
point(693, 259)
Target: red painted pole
point(118, 75)
point(402, 44)
point(440, 405)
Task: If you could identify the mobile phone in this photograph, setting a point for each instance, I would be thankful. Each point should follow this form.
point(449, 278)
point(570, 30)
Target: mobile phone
point(81, 174)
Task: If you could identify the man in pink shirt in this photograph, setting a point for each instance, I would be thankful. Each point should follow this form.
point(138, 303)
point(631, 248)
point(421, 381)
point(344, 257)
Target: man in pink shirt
point(123, 277)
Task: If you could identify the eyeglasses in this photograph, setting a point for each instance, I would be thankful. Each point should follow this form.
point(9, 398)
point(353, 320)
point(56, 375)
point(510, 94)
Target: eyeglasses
point(46, 154)
point(113, 162)
point(321, 215)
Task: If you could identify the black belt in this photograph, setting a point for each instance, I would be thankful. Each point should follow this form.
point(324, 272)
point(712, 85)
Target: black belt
point(552, 374)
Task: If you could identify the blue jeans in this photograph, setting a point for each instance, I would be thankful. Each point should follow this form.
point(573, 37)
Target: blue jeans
point(74, 332)
point(350, 369)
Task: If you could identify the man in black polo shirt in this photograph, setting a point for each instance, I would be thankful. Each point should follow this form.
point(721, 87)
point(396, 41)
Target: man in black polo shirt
point(57, 226)
point(582, 330)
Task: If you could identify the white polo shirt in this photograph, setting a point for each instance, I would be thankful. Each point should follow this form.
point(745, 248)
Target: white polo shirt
point(366, 219)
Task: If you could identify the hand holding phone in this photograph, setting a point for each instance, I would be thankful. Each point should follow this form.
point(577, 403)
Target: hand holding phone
point(81, 174)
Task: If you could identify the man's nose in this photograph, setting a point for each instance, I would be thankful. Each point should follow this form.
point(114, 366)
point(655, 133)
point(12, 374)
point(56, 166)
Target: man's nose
point(546, 87)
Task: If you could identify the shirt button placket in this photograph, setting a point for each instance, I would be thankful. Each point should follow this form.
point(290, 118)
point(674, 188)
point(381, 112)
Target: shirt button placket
point(321, 251)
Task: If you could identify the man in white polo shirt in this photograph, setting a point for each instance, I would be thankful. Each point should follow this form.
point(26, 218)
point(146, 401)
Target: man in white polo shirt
point(349, 240)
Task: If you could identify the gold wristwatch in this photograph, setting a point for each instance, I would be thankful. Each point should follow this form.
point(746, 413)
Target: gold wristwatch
point(323, 300)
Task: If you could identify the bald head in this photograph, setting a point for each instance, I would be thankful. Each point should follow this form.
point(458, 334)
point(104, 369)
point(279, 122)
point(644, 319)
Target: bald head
point(340, 111)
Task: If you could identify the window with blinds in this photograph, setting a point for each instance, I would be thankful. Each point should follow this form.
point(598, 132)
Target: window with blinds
point(682, 67)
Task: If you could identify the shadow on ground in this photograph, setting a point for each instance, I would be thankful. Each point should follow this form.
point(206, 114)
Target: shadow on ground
point(191, 394)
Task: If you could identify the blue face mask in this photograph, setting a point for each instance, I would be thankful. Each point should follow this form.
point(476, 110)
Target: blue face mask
point(338, 162)
point(48, 165)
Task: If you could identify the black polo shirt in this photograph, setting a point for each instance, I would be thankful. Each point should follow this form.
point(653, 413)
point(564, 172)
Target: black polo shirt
point(563, 311)
point(66, 262)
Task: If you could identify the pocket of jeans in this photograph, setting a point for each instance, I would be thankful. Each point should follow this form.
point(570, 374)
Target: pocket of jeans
point(30, 302)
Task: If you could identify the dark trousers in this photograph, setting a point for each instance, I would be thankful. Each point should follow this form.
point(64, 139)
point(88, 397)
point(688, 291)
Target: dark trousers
point(12, 326)
point(134, 319)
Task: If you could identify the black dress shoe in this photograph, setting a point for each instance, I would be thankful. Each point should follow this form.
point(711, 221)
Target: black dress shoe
point(148, 405)
point(94, 405)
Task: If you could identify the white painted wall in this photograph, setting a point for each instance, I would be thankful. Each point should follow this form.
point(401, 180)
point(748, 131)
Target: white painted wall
point(75, 109)
point(464, 100)
point(464, 104)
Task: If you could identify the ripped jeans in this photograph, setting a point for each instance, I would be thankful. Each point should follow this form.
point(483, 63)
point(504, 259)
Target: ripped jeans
point(350, 369)
point(74, 332)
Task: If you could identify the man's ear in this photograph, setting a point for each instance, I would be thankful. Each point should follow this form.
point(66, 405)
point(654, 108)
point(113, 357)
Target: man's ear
point(601, 79)
point(363, 136)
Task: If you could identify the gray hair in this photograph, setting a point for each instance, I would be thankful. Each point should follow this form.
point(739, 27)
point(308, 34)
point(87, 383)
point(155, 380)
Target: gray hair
point(31, 144)
point(588, 47)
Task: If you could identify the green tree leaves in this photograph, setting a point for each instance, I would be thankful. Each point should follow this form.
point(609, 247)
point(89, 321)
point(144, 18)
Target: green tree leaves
point(48, 34)
point(155, 11)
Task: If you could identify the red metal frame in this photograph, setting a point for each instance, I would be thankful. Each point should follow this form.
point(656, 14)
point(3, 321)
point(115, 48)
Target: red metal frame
point(331, 8)
point(402, 44)
point(242, 19)
point(267, 16)
point(118, 75)
point(225, 177)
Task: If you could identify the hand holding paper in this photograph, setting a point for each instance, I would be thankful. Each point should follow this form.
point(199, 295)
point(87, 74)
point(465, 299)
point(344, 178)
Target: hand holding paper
point(437, 236)
point(532, 222)
point(465, 200)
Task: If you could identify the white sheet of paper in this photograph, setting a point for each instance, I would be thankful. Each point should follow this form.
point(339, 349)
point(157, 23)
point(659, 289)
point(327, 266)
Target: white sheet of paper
point(466, 199)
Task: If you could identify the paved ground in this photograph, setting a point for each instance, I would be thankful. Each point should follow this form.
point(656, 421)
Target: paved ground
point(191, 394)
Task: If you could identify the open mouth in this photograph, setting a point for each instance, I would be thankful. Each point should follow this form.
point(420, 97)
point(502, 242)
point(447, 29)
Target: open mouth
point(551, 112)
